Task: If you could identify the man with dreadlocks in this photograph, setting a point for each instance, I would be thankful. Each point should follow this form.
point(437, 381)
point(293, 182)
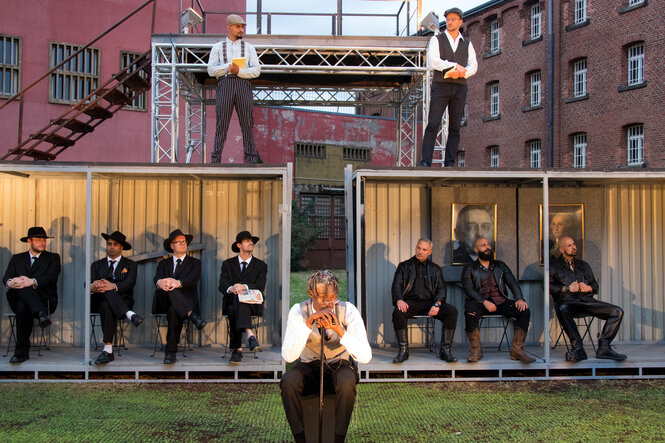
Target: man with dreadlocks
point(345, 340)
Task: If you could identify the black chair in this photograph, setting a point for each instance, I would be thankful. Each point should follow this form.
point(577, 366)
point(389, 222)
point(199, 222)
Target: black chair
point(162, 322)
point(256, 323)
point(119, 341)
point(42, 341)
point(582, 321)
point(503, 326)
point(425, 324)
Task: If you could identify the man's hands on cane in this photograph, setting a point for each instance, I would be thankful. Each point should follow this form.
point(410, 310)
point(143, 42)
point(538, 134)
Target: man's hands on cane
point(326, 319)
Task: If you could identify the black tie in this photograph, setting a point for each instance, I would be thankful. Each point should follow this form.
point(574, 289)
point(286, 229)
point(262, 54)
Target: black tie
point(33, 260)
point(178, 262)
point(243, 268)
point(111, 263)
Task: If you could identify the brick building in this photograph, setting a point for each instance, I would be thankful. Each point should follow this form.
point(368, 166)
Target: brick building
point(607, 104)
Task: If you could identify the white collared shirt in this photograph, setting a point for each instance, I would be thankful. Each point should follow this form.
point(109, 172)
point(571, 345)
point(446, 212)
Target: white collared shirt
point(435, 62)
point(217, 68)
point(115, 265)
point(175, 260)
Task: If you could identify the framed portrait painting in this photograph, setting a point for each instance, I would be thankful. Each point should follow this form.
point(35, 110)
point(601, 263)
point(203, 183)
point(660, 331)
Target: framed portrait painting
point(469, 222)
point(564, 220)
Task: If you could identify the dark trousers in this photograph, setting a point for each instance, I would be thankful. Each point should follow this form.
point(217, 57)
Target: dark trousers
point(180, 305)
point(447, 313)
point(240, 318)
point(27, 307)
point(453, 97)
point(571, 306)
point(234, 92)
point(473, 310)
point(303, 379)
point(110, 306)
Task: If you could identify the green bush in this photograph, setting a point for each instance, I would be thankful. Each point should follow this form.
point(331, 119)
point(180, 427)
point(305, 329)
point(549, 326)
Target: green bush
point(303, 237)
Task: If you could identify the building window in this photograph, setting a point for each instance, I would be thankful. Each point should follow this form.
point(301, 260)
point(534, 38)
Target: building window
point(494, 99)
point(461, 159)
point(357, 154)
point(494, 36)
point(494, 156)
point(579, 78)
point(534, 154)
point(579, 150)
point(536, 16)
point(580, 11)
point(10, 65)
point(77, 78)
point(127, 59)
point(635, 2)
point(310, 150)
point(636, 64)
point(635, 137)
point(534, 89)
point(321, 209)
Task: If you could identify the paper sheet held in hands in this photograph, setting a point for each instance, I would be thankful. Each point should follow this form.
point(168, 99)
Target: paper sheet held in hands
point(251, 296)
point(239, 62)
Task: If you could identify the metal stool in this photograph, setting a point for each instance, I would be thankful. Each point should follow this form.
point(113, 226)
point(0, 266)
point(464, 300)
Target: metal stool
point(586, 323)
point(162, 322)
point(426, 328)
point(256, 323)
point(42, 342)
point(118, 336)
point(503, 326)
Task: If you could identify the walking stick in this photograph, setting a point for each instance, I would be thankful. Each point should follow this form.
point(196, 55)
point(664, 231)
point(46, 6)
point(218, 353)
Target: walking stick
point(322, 332)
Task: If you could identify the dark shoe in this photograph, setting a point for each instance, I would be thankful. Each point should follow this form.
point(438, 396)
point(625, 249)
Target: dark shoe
point(18, 358)
point(255, 160)
point(449, 165)
point(44, 321)
point(403, 341)
point(103, 358)
point(476, 352)
point(605, 351)
point(445, 352)
point(170, 358)
point(137, 319)
point(236, 357)
point(576, 354)
point(426, 164)
point(197, 321)
point(253, 344)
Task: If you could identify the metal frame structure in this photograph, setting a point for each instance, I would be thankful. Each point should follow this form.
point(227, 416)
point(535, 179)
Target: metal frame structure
point(391, 71)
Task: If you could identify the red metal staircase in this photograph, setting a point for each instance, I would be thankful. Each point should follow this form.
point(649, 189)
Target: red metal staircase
point(84, 116)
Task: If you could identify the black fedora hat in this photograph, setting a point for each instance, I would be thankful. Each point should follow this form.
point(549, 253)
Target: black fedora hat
point(173, 235)
point(35, 232)
point(240, 237)
point(120, 238)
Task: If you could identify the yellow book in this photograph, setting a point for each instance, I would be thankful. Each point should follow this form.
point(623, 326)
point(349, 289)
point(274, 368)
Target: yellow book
point(239, 62)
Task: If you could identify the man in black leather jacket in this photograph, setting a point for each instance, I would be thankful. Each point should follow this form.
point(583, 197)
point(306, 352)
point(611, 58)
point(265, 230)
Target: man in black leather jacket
point(418, 289)
point(486, 282)
point(572, 286)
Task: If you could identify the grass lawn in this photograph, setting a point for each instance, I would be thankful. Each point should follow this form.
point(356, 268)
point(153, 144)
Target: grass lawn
point(385, 412)
point(299, 285)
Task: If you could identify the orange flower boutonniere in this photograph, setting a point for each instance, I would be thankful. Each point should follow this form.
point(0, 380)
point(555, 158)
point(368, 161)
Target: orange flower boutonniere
point(124, 270)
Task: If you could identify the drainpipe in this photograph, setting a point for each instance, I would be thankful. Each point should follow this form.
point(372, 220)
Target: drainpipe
point(550, 85)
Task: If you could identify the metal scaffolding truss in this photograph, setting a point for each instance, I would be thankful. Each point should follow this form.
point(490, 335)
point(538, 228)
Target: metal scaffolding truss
point(389, 72)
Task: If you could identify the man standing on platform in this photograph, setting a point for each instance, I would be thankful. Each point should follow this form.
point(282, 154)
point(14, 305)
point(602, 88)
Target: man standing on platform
point(113, 279)
point(486, 282)
point(233, 62)
point(418, 289)
point(31, 279)
point(177, 278)
point(345, 337)
point(240, 273)
point(453, 60)
point(572, 286)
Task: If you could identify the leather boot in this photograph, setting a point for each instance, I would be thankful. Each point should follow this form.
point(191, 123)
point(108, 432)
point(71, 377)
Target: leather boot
point(517, 350)
point(445, 353)
point(476, 353)
point(576, 352)
point(605, 351)
point(403, 346)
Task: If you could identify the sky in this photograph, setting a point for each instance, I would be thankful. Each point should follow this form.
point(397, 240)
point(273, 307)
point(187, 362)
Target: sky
point(308, 25)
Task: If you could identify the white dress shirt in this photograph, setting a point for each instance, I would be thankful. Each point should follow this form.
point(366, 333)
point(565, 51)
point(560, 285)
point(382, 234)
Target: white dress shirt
point(435, 62)
point(217, 68)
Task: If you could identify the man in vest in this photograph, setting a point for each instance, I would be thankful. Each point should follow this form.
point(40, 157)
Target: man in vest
point(345, 337)
point(233, 87)
point(453, 60)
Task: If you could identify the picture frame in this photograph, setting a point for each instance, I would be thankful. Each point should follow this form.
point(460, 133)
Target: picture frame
point(564, 219)
point(468, 222)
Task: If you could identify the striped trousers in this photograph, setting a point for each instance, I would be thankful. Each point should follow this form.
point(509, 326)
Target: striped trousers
point(234, 92)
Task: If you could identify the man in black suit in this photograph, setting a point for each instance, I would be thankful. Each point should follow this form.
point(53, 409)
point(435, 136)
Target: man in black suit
point(31, 280)
point(113, 279)
point(176, 279)
point(239, 273)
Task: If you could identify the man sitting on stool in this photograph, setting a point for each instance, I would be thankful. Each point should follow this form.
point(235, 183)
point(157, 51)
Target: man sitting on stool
point(113, 279)
point(418, 288)
point(572, 286)
point(31, 280)
point(176, 279)
point(240, 273)
point(345, 337)
point(486, 282)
